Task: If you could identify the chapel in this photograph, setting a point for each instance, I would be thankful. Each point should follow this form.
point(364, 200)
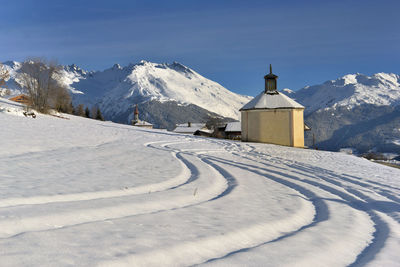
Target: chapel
point(272, 117)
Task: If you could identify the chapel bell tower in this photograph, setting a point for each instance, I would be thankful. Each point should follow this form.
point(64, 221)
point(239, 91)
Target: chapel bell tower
point(270, 82)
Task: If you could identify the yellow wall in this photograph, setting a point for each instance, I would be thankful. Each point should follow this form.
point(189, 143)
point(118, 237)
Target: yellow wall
point(298, 128)
point(275, 126)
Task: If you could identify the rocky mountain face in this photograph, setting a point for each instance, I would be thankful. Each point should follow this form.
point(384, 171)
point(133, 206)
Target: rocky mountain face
point(354, 111)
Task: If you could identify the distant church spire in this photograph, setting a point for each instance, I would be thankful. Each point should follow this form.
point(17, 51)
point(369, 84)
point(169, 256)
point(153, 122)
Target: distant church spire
point(136, 117)
point(270, 82)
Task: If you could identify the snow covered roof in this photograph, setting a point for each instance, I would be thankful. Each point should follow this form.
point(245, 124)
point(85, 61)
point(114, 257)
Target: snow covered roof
point(192, 124)
point(271, 101)
point(188, 128)
point(234, 126)
point(204, 130)
point(143, 123)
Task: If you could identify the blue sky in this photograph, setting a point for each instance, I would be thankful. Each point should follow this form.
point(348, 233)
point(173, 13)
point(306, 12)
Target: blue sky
point(231, 42)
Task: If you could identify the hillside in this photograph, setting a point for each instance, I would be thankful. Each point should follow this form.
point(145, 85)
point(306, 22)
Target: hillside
point(356, 110)
point(80, 192)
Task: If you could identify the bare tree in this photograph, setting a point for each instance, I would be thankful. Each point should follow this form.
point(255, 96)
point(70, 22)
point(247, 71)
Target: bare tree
point(38, 77)
point(80, 110)
point(93, 112)
point(60, 99)
point(71, 108)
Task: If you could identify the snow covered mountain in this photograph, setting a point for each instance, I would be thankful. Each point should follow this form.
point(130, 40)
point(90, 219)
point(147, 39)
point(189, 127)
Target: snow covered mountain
point(352, 90)
point(355, 110)
point(117, 89)
point(159, 89)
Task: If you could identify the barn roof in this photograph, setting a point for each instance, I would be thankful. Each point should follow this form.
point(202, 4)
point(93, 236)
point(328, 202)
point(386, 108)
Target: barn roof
point(234, 126)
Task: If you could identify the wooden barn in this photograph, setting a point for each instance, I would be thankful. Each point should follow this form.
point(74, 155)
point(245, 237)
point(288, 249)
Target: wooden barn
point(233, 130)
point(23, 99)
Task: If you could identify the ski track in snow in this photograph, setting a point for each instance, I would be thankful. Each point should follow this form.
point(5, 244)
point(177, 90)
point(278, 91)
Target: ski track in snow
point(182, 178)
point(18, 226)
point(212, 172)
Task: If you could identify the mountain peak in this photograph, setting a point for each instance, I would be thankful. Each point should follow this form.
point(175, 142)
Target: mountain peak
point(75, 69)
point(143, 62)
point(288, 91)
point(350, 79)
point(117, 66)
point(12, 64)
point(388, 78)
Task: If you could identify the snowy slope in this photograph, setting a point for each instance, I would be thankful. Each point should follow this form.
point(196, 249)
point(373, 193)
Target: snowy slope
point(85, 193)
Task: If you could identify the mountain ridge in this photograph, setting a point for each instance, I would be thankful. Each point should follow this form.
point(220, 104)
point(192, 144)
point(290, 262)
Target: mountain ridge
point(117, 89)
point(355, 110)
point(352, 90)
point(170, 93)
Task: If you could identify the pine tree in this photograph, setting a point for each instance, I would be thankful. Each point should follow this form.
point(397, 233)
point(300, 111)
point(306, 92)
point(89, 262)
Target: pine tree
point(87, 112)
point(99, 116)
point(71, 108)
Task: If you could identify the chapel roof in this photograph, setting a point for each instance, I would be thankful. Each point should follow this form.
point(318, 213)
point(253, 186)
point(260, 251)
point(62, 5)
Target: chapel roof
point(271, 101)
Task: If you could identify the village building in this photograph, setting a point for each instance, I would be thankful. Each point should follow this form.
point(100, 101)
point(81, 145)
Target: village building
point(138, 123)
point(219, 130)
point(23, 99)
point(233, 130)
point(272, 117)
point(190, 128)
point(230, 130)
point(204, 132)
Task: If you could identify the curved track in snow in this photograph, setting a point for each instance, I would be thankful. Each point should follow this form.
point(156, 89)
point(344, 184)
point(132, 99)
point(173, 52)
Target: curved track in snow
point(228, 203)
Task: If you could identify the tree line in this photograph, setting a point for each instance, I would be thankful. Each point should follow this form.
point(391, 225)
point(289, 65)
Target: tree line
point(83, 111)
point(41, 81)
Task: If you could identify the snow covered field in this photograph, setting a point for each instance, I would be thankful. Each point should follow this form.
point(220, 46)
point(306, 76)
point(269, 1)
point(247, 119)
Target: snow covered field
point(79, 192)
